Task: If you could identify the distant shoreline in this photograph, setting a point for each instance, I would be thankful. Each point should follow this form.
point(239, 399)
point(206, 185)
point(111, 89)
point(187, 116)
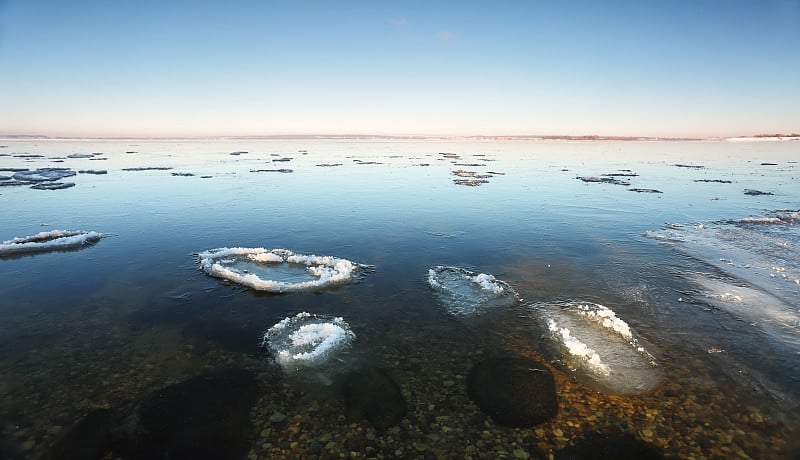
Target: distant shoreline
point(531, 138)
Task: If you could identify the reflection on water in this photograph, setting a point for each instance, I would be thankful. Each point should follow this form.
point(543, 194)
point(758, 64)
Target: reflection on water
point(107, 328)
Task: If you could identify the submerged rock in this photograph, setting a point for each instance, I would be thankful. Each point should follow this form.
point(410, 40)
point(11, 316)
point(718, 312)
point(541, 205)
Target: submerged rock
point(91, 438)
point(373, 395)
point(515, 392)
point(601, 447)
point(204, 417)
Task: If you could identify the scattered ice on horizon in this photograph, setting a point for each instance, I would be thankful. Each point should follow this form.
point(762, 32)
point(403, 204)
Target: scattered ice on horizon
point(277, 270)
point(308, 341)
point(464, 293)
point(49, 241)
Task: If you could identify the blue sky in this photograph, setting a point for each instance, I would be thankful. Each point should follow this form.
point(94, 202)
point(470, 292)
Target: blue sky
point(169, 68)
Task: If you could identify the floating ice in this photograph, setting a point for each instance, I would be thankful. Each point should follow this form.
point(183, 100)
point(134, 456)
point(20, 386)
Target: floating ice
point(43, 174)
point(49, 241)
point(277, 270)
point(747, 249)
point(770, 313)
point(52, 185)
point(595, 342)
point(464, 293)
point(307, 341)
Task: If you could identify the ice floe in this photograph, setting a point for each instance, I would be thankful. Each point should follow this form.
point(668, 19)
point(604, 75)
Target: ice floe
point(49, 241)
point(52, 185)
point(593, 341)
point(277, 270)
point(762, 251)
point(755, 306)
point(464, 292)
point(43, 174)
point(307, 341)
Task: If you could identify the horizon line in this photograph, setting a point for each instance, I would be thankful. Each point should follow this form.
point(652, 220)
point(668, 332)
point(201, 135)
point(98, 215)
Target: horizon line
point(570, 137)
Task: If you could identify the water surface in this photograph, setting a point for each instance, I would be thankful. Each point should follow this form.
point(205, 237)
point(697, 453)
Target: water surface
point(109, 324)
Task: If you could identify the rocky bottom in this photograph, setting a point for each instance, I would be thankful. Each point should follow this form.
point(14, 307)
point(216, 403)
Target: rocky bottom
point(162, 394)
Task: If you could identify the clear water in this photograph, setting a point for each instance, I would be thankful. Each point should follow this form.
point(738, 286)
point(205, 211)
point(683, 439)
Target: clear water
point(133, 313)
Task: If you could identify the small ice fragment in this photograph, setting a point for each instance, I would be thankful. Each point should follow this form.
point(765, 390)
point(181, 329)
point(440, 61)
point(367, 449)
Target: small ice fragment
point(49, 241)
point(463, 292)
point(307, 340)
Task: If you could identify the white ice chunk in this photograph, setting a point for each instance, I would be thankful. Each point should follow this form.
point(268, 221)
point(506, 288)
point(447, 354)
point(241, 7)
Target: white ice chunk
point(49, 241)
point(277, 270)
point(463, 292)
point(596, 343)
point(307, 341)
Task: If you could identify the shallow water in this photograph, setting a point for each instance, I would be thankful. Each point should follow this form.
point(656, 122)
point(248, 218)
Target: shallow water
point(110, 323)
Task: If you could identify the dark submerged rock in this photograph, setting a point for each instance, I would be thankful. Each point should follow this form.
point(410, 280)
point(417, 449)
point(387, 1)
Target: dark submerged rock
point(598, 446)
point(203, 417)
point(515, 392)
point(371, 394)
point(91, 437)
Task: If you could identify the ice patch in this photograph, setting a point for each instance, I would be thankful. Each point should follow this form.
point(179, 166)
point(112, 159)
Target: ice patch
point(277, 270)
point(594, 342)
point(43, 174)
point(49, 241)
point(464, 293)
point(771, 314)
point(749, 249)
point(307, 341)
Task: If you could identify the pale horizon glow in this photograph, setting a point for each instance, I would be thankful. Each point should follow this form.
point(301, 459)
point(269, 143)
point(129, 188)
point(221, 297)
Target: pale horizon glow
point(187, 69)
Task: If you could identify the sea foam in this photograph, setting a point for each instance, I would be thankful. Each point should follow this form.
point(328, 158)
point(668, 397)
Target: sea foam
point(277, 270)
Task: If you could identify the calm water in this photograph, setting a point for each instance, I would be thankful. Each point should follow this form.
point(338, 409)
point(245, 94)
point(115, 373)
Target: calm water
point(112, 323)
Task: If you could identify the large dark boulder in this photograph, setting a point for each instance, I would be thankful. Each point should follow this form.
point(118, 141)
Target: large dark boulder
point(515, 392)
point(203, 417)
point(371, 394)
point(91, 437)
point(598, 446)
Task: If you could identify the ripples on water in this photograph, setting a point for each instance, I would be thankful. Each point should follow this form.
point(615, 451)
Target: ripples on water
point(706, 275)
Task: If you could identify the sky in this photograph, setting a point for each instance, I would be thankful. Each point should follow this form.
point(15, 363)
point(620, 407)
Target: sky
point(164, 68)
